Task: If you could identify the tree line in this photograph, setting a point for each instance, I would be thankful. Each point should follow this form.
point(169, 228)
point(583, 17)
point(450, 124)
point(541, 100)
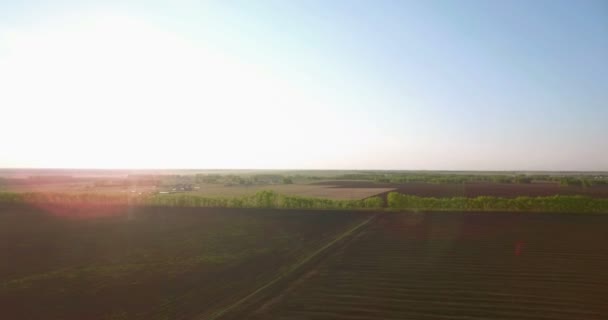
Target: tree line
point(261, 199)
point(457, 178)
point(271, 199)
point(581, 180)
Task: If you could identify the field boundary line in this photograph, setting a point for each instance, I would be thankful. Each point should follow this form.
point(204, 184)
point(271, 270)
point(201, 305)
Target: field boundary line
point(291, 270)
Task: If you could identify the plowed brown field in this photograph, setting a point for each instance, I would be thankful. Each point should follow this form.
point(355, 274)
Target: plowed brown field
point(508, 190)
point(149, 263)
point(201, 263)
point(457, 266)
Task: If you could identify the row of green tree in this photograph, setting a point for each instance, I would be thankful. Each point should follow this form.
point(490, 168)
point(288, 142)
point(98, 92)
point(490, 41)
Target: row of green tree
point(233, 179)
point(582, 180)
point(271, 199)
point(261, 199)
point(570, 204)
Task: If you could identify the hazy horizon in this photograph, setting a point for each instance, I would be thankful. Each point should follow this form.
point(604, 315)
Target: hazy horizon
point(439, 85)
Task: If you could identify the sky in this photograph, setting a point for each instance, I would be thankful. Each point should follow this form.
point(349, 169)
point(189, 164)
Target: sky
point(410, 85)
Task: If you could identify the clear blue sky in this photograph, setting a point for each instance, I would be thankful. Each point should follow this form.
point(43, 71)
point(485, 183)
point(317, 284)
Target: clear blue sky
point(457, 85)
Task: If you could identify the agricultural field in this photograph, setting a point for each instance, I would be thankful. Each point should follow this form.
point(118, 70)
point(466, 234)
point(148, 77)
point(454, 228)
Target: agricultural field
point(473, 189)
point(271, 246)
point(335, 185)
point(212, 263)
point(455, 266)
point(304, 190)
point(122, 186)
point(149, 263)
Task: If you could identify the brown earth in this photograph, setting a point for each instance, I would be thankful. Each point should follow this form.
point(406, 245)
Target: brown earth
point(456, 266)
point(149, 263)
point(194, 263)
point(507, 190)
point(211, 190)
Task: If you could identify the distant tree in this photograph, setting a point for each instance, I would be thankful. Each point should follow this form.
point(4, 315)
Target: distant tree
point(523, 179)
point(373, 202)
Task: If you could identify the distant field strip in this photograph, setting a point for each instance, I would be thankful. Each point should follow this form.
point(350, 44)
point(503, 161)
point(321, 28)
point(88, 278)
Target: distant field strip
point(304, 190)
point(297, 266)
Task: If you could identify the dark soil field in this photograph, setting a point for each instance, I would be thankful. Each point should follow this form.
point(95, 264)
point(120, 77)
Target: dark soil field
point(153, 263)
point(456, 266)
point(196, 263)
point(507, 190)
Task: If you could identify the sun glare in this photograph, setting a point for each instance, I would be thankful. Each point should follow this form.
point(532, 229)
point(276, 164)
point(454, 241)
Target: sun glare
point(113, 91)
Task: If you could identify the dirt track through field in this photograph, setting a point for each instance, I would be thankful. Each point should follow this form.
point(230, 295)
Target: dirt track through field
point(285, 277)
